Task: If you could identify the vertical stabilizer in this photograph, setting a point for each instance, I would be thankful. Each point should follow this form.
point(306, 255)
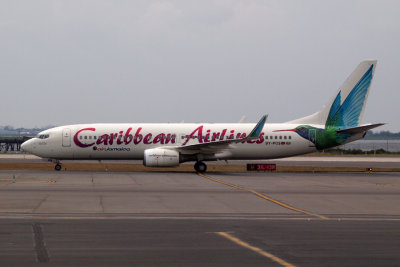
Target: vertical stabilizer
point(347, 107)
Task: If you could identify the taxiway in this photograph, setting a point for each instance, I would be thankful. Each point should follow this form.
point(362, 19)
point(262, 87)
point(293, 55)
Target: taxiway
point(180, 219)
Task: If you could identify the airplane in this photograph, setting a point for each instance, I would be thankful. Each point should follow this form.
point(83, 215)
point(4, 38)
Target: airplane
point(170, 144)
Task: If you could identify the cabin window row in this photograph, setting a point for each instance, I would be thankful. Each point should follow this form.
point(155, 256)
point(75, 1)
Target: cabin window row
point(271, 137)
point(279, 137)
point(115, 137)
point(88, 137)
point(284, 137)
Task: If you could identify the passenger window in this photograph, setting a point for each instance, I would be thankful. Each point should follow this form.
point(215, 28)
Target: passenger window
point(90, 137)
point(284, 137)
point(280, 137)
point(290, 137)
point(85, 137)
point(276, 137)
point(80, 137)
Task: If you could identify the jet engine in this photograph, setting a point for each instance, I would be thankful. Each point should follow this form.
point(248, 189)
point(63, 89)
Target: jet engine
point(158, 157)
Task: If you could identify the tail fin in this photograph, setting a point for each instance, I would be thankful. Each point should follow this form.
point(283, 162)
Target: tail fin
point(347, 107)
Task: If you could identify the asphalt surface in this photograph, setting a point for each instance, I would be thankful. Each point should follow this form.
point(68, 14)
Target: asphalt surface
point(169, 242)
point(316, 161)
point(184, 219)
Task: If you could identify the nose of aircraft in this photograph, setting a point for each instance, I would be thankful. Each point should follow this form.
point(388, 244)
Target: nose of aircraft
point(27, 146)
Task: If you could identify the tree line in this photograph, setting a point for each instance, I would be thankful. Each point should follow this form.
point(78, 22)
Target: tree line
point(382, 135)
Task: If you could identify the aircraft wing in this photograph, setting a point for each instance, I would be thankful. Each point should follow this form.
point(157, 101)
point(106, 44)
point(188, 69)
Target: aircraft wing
point(217, 146)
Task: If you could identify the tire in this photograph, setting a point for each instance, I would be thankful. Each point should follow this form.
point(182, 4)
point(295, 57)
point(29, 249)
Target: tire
point(200, 167)
point(57, 167)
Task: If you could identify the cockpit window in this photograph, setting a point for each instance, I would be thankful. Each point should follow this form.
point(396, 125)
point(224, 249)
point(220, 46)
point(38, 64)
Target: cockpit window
point(43, 136)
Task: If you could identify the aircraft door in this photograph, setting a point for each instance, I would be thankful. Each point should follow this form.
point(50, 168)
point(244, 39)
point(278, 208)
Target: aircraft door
point(66, 138)
point(181, 138)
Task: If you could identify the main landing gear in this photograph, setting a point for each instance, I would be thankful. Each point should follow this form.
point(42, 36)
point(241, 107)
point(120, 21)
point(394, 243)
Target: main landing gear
point(57, 167)
point(200, 166)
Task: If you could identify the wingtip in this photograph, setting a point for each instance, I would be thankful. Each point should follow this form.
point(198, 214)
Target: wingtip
point(264, 118)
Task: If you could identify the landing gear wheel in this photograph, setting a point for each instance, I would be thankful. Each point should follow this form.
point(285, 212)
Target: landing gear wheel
point(57, 167)
point(200, 167)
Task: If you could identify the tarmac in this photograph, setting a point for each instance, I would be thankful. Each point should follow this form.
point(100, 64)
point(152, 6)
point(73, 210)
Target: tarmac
point(20, 161)
point(319, 161)
point(88, 218)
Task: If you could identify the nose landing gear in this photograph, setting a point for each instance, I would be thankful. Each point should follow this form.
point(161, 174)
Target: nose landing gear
point(200, 166)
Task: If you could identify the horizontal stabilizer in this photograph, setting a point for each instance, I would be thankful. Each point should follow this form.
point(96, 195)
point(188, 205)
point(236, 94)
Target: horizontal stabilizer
point(360, 129)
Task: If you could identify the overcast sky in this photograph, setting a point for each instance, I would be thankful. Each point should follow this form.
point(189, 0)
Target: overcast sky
point(68, 62)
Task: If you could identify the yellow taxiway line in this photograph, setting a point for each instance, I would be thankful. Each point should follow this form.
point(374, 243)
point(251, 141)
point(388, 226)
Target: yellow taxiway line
point(255, 249)
point(264, 197)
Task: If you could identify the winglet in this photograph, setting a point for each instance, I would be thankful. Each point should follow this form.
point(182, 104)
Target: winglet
point(243, 119)
point(255, 133)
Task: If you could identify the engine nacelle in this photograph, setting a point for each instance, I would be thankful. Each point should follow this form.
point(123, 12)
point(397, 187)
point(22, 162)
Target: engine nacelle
point(159, 157)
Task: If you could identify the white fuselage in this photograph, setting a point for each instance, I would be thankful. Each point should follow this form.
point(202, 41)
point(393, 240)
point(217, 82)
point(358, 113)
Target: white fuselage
point(129, 141)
